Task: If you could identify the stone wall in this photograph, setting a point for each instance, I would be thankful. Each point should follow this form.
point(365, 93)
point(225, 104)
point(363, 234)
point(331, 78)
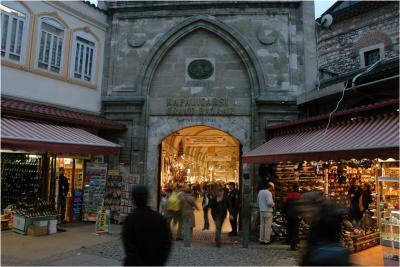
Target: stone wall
point(262, 56)
point(340, 44)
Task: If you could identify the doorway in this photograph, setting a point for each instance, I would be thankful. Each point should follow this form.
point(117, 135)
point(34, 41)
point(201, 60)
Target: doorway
point(199, 157)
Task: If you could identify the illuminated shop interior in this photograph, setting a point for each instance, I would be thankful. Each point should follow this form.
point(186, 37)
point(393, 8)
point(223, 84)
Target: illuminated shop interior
point(199, 154)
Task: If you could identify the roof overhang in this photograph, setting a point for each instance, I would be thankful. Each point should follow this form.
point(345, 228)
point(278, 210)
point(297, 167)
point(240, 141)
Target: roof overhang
point(43, 137)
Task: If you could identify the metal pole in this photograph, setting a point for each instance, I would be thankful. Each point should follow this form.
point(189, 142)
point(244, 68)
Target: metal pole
point(246, 193)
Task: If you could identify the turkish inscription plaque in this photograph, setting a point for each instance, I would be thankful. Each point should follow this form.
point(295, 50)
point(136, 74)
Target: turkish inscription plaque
point(199, 106)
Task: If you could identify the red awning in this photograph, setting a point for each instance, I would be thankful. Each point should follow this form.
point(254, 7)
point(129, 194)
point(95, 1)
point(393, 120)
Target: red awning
point(365, 137)
point(43, 137)
point(27, 109)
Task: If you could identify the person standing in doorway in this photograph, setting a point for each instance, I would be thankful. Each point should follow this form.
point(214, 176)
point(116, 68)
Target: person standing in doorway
point(219, 206)
point(63, 189)
point(266, 205)
point(146, 236)
point(355, 192)
point(233, 197)
point(206, 207)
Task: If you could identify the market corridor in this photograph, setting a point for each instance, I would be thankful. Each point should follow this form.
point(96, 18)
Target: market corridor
point(208, 235)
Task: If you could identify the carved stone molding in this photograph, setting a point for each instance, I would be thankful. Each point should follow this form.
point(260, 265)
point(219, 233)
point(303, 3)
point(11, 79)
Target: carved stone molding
point(136, 39)
point(266, 35)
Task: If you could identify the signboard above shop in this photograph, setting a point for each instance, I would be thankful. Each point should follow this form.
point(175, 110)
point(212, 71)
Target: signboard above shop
point(206, 141)
point(219, 158)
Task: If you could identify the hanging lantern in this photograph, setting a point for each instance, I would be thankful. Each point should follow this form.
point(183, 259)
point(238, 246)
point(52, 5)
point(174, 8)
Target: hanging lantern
point(180, 149)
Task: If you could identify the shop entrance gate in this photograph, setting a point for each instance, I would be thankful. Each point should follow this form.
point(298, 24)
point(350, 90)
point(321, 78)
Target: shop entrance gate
point(198, 157)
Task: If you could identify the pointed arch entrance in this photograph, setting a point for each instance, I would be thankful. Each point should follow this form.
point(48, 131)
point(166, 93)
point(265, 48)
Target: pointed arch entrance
point(160, 81)
point(200, 157)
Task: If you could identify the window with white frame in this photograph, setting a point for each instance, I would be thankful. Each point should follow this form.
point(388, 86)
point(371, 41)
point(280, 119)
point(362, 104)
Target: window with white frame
point(83, 63)
point(14, 21)
point(51, 45)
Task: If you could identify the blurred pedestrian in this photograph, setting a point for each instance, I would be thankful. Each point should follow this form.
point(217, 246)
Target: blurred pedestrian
point(146, 235)
point(219, 205)
point(233, 197)
point(205, 205)
point(188, 204)
point(266, 205)
point(164, 205)
point(290, 203)
point(325, 219)
point(175, 211)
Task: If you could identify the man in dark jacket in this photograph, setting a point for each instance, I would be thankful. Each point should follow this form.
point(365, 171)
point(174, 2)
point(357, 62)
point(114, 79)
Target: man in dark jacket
point(219, 206)
point(146, 235)
point(233, 197)
point(205, 205)
point(63, 189)
point(290, 203)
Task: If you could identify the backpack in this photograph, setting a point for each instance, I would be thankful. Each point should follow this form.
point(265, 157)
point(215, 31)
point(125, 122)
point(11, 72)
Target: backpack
point(174, 203)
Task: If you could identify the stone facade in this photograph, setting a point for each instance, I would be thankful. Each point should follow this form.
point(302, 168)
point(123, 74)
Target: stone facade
point(363, 25)
point(253, 60)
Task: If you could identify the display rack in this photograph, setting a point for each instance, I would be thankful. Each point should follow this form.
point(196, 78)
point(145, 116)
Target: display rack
point(129, 181)
point(389, 211)
point(112, 197)
point(388, 188)
point(304, 174)
point(21, 178)
point(95, 185)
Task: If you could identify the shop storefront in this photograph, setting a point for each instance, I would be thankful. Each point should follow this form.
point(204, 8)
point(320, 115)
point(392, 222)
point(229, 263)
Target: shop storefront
point(356, 152)
point(32, 153)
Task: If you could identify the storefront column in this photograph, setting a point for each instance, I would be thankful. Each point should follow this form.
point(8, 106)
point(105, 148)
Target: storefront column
point(53, 166)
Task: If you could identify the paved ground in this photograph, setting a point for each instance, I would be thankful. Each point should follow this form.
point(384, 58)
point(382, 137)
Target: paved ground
point(80, 246)
point(200, 254)
point(19, 249)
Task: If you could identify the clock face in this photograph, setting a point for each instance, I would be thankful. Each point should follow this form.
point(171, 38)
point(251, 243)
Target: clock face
point(200, 69)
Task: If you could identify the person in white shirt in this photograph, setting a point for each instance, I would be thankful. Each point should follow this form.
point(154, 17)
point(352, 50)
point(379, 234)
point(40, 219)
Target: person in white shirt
point(266, 205)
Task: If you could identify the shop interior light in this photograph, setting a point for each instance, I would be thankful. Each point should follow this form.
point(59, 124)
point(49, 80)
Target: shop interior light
point(32, 156)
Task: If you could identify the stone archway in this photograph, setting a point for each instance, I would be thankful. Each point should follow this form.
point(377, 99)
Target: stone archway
point(161, 127)
point(212, 24)
point(161, 124)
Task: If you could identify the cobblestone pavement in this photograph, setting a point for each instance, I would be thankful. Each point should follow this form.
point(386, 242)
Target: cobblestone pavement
point(199, 254)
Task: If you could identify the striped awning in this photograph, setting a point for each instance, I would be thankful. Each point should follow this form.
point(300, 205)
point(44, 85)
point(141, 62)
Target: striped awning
point(362, 137)
point(43, 137)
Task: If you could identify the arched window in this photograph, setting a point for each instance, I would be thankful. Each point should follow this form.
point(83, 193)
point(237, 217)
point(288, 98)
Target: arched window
point(83, 61)
point(14, 29)
point(51, 45)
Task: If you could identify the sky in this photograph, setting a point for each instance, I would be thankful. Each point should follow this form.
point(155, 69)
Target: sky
point(320, 6)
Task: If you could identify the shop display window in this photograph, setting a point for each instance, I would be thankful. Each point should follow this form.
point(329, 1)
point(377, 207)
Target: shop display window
point(389, 214)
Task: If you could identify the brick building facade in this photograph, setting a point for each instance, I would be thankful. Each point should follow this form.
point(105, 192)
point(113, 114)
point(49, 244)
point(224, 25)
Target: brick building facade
point(357, 28)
